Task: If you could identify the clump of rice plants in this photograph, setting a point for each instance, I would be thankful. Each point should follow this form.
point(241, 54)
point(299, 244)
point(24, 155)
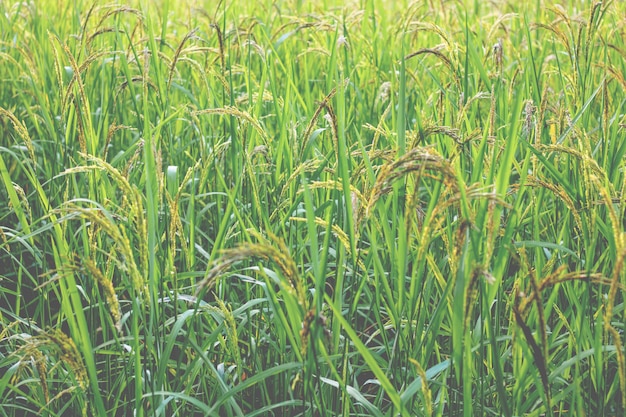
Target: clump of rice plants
point(285, 208)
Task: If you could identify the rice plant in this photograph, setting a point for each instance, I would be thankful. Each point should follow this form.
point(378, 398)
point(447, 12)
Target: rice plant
point(283, 208)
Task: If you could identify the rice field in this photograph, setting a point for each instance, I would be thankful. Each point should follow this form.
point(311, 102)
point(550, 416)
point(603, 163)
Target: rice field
point(291, 208)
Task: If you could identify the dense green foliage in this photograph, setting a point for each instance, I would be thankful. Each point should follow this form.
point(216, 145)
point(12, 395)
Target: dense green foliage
point(304, 208)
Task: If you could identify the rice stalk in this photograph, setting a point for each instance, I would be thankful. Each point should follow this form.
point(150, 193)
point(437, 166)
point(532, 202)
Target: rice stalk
point(538, 357)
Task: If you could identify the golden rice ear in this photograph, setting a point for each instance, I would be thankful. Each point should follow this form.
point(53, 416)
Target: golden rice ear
point(615, 73)
point(133, 206)
point(181, 45)
point(443, 58)
point(122, 245)
point(428, 398)
point(231, 342)
point(22, 132)
point(428, 27)
point(277, 254)
point(324, 104)
point(591, 26)
point(69, 354)
point(558, 191)
point(42, 371)
point(176, 229)
point(113, 129)
point(111, 11)
point(30, 354)
point(106, 286)
point(4, 244)
point(619, 237)
point(308, 166)
point(464, 106)
point(422, 161)
point(53, 344)
point(240, 114)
